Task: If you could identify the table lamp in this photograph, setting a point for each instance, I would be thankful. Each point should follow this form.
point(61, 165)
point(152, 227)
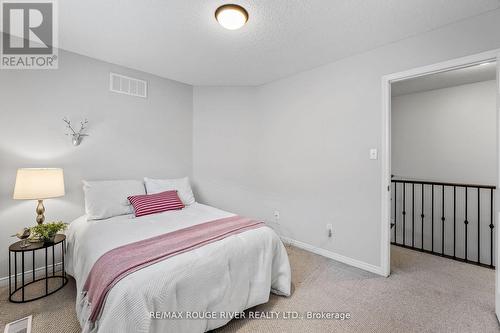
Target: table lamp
point(39, 184)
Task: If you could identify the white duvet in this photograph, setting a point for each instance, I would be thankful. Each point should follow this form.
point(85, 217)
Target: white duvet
point(230, 275)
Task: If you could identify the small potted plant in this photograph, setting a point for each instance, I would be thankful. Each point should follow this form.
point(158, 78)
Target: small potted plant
point(46, 232)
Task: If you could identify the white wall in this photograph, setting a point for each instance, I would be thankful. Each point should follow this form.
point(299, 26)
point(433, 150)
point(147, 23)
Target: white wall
point(130, 137)
point(300, 145)
point(446, 135)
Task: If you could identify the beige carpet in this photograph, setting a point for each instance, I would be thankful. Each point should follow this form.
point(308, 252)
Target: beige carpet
point(423, 294)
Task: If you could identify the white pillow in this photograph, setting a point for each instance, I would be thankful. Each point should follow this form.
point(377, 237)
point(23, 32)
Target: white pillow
point(108, 198)
point(180, 184)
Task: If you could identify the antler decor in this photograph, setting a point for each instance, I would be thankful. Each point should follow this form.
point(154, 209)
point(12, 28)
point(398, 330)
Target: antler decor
point(76, 136)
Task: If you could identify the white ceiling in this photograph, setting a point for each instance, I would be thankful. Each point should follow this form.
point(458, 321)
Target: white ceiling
point(181, 40)
point(457, 77)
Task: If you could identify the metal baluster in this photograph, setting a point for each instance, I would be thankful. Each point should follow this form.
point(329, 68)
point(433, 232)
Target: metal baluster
point(442, 222)
point(412, 215)
point(404, 213)
point(422, 217)
point(454, 221)
point(491, 227)
point(395, 213)
point(432, 218)
point(466, 222)
point(478, 225)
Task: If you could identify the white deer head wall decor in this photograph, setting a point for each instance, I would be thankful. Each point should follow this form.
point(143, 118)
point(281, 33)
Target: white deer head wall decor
point(76, 136)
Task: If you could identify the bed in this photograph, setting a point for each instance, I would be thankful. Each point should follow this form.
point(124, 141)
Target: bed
point(224, 277)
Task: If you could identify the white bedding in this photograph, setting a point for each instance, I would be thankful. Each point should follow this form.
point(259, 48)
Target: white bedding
point(230, 275)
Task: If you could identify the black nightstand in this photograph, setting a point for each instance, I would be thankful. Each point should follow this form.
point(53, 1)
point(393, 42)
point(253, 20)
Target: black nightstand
point(34, 248)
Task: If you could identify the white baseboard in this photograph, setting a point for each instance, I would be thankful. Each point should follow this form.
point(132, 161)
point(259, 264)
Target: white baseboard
point(335, 256)
point(4, 281)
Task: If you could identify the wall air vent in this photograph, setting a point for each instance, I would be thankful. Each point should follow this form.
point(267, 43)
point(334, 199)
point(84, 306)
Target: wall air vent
point(128, 85)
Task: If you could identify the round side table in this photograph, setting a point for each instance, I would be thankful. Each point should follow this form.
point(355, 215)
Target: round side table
point(16, 249)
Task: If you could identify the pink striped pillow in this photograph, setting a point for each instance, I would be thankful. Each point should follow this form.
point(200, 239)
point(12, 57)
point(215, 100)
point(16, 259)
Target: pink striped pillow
point(147, 204)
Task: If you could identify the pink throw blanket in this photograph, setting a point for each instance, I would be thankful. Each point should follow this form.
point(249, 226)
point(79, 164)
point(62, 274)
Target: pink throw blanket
point(116, 264)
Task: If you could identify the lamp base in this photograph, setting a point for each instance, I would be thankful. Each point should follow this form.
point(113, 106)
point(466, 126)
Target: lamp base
point(40, 210)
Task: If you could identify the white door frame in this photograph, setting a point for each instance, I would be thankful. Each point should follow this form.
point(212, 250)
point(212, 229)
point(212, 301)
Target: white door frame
point(385, 245)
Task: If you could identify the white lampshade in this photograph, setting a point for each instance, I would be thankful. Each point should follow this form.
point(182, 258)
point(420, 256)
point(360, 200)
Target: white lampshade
point(39, 184)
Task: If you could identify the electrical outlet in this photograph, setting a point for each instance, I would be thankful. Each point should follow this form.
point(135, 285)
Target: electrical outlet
point(329, 229)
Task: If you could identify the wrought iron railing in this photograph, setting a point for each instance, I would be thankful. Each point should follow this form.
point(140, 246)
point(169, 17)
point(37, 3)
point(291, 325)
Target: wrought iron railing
point(452, 220)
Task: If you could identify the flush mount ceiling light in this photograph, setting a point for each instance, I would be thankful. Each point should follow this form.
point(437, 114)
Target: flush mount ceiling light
point(231, 16)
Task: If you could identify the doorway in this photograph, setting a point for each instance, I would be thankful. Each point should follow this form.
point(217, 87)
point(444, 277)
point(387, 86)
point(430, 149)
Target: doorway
point(444, 163)
point(419, 186)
